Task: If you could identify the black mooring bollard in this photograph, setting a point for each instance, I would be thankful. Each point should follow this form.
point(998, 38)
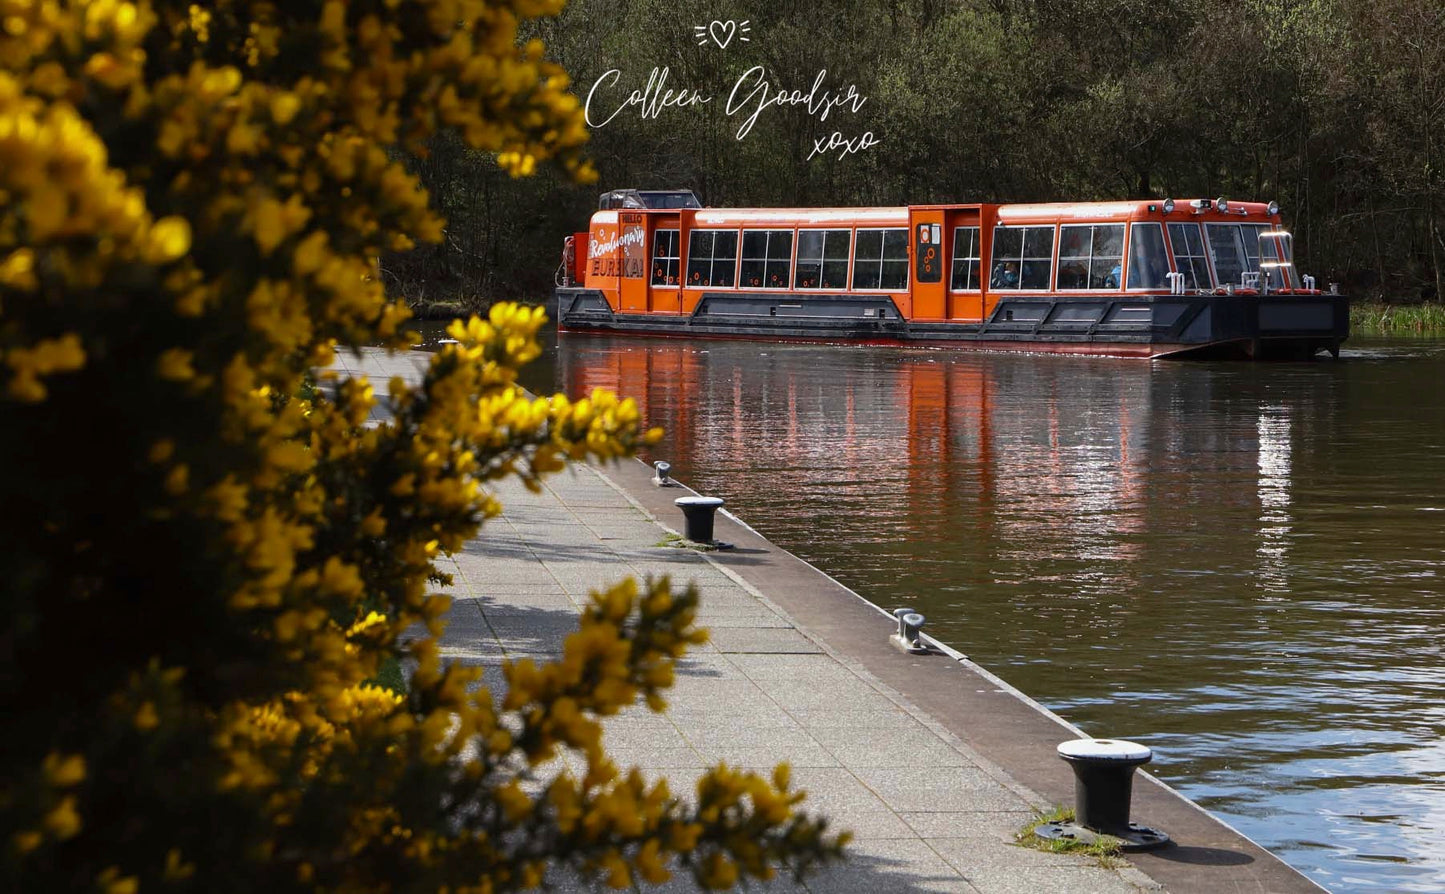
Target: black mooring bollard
point(1103, 790)
point(698, 512)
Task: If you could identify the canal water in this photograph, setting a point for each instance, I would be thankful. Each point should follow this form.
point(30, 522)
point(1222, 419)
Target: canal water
point(1240, 565)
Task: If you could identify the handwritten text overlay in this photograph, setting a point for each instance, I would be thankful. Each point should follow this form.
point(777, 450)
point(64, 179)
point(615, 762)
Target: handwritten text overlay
point(751, 95)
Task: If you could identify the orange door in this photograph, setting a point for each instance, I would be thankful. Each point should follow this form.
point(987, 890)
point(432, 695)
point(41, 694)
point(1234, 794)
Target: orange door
point(926, 250)
point(664, 269)
point(632, 249)
point(966, 267)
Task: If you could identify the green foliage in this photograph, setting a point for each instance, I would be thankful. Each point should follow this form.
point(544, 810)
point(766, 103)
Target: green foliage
point(1332, 107)
point(1379, 318)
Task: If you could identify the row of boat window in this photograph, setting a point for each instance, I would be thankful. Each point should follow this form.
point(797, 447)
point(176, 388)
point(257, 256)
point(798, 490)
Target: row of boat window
point(880, 259)
point(1090, 256)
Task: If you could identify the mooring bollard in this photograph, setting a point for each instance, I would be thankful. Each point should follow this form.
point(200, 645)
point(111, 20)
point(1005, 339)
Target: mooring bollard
point(908, 638)
point(1103, 790)
point(698, 512)
point(661, 470)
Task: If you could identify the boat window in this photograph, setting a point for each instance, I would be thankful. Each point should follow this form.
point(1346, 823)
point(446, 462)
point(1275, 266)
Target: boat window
point(1148, 261)
point(664, 257)
point(1263, 253)
point(766, 258)
point(965, 258)
point(712, 258)
point(1091, 257)
point(1022, 257)
point(1189, 258)
point(1226, 250)
point(668, 198)
point(881, 259)
point(822, 259)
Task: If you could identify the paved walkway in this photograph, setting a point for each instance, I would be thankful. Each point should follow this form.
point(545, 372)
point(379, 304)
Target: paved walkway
point(928, 814)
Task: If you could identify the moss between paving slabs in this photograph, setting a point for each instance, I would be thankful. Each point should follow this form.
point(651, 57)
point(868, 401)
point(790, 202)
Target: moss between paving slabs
point(1106, 850)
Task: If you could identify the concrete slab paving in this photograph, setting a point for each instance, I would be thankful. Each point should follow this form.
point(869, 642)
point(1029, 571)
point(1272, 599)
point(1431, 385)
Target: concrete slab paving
point(764, 691)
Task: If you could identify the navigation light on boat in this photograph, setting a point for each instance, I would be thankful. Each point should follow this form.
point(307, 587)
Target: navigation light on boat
point(1272, 208)
point(1168, 206)
point(1220, 205)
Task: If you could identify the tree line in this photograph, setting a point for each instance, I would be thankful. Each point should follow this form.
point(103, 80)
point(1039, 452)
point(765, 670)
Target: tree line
point(1334, 108)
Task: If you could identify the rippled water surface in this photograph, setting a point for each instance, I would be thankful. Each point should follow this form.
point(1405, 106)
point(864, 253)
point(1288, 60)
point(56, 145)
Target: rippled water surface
point(1239, 565)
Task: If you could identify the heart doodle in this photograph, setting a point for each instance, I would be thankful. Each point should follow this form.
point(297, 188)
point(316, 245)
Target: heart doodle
point(722, 32)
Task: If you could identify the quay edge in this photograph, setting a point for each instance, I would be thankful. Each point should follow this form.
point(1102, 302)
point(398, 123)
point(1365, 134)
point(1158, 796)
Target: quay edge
point(1003, 725)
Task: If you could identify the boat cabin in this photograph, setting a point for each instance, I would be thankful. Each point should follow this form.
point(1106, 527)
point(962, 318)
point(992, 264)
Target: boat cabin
point(1149, 277)
point(659, 251)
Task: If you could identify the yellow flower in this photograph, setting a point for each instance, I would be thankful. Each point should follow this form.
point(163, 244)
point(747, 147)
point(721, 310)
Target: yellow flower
point(50, 355)
point(649, 863)
point(284, 106)
point(228, 499)
point(112, 882)
point(310, 253)
point(146, 718)
point(18, 270)
point(169, 239)
point(175, 365)
point(109, 70)
point(267, 225)
point(64, 770)
point(515, 804)
point(374, 525)
point(25, 842)
point(178, 480)
point(46, 210)
point(718, 872)
point(177, 869)
point(200, 22)
point(63, 821)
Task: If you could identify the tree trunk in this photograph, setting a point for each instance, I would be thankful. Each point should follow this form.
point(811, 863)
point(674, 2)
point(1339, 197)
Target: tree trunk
point(1437, 248)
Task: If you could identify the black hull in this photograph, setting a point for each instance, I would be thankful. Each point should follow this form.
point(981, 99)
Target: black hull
point(1206, 326)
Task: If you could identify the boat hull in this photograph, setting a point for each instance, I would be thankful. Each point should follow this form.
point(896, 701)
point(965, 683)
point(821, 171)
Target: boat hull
point(1282, 326)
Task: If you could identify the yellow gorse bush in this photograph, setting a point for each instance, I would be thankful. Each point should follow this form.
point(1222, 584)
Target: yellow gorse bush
point(205, 562)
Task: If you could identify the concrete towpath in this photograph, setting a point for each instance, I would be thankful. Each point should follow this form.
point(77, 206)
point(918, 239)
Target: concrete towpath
point(928, 813)
point(925, 758)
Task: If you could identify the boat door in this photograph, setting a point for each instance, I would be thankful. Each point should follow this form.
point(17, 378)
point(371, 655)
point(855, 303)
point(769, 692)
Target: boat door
point(664, 275)
point(967, 263)
point(632, 245)
point(926, 244)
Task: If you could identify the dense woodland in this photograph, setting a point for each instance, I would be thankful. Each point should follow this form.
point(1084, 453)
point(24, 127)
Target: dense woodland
point(1334, 108)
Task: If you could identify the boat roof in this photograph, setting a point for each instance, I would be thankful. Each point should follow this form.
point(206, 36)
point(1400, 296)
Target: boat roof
point(1062, 212)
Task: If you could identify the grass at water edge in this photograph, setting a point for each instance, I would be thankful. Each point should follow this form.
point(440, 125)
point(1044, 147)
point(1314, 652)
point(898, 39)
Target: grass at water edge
point(1379, 318)
point(1107, 850)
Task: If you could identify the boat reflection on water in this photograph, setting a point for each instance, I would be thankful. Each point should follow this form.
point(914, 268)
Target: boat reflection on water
point(1039, 467)
point(1235, 563)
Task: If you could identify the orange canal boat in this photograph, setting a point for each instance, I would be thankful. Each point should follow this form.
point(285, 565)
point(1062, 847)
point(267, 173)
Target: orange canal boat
point(1147, 278)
